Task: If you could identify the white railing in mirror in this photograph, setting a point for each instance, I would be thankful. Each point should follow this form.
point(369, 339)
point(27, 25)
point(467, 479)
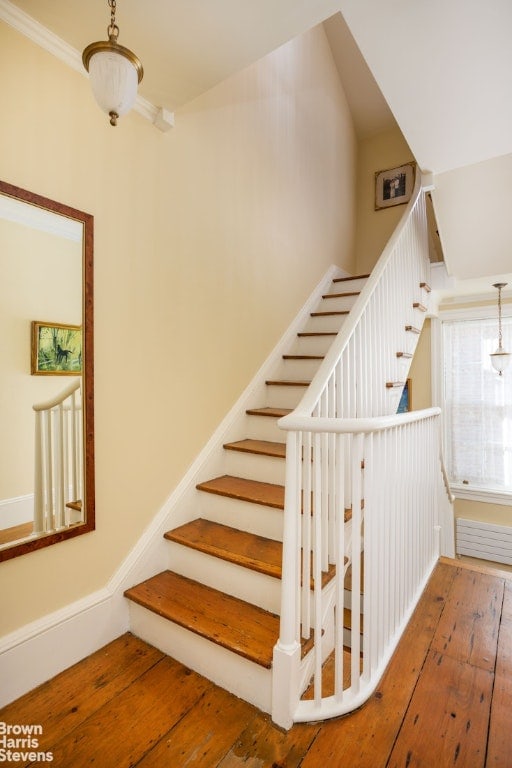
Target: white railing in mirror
point(361, 482)
point(58, 494)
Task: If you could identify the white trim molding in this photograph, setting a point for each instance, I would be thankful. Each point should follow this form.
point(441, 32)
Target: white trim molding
point(487, 495)
point(50, 42)
point(28, 657)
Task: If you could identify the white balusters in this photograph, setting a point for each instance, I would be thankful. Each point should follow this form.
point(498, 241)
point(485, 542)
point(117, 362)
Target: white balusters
point(58, 461)
point(346, 421)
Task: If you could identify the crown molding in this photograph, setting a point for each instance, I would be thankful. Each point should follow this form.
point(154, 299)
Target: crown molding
point(50, 42)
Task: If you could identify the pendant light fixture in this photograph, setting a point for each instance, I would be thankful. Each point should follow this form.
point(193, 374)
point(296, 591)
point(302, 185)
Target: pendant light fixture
point(500, 359)
point(114, 71)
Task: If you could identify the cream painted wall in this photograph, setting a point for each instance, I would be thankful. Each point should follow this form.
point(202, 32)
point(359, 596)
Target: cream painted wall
point(208, 239)
point(421, 380)
point(374, 228)
point(41, 279)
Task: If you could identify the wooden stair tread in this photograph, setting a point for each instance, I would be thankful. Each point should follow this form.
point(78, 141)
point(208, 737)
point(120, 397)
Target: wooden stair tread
point(260, 447)
point(340, 295)
point(404, 354)
point(234, 624)
point(267, 494)
point(309, 334)
point(303, 357)
point(330, 314)
point(347, 279)
point(76, 505)
point(277, 413)
point(412, 329)
point(287, 383)
point(235, 546)
point(254, 491)
point(394, 384)
point(420, 306)
point(246, 549)
point(426, 287)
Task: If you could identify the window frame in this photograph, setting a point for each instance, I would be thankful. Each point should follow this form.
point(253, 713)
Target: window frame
point(485, 494)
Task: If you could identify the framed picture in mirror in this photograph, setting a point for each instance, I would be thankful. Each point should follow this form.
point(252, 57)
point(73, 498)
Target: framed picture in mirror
point(56, 349)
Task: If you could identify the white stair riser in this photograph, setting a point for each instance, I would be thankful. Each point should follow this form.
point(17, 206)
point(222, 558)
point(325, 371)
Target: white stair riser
point(324, 323)
point(248, 585)
point(311, 345)
point(237, 675)
point(254, 518)
point(347, 596)
point(284, 396)
point(336, 303)
point(297, 369)
point(344, 286)
point(262, 428)
point(347, 638)
point(266, 469)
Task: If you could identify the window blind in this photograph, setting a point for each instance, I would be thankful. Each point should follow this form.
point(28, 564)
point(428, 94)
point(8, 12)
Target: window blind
point(477, 404)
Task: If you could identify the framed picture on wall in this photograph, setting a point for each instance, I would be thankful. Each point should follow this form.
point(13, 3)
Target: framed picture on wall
point(405, 404)
point(56, 349)
point(394, 186)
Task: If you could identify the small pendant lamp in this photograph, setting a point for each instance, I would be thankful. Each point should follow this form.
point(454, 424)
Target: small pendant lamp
point(500, 359)
point(114, 71)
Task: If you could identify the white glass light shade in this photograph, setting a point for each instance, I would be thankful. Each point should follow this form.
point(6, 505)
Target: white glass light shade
point(114, 81)
point(500, 360)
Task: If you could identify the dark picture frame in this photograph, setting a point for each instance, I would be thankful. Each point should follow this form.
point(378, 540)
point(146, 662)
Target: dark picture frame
point(394, 186)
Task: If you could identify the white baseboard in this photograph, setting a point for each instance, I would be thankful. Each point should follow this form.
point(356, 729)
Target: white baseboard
point(38, 651)
point(16, 511)
point(28, 656)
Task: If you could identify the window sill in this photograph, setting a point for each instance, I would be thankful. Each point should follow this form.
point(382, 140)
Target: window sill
point(486, 495)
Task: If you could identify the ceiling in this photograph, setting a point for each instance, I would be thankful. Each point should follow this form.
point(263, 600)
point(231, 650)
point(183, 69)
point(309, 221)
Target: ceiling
point(186, 46)
point(444, 67)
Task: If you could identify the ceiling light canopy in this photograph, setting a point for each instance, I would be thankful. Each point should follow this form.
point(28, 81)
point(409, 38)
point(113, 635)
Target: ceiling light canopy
point(500, 359)
point(114, 71)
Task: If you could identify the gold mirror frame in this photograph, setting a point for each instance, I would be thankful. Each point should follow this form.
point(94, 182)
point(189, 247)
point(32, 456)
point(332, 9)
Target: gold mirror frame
point(32, 544)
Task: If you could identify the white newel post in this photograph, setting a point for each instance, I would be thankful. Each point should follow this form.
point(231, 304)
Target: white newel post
point(287, 651)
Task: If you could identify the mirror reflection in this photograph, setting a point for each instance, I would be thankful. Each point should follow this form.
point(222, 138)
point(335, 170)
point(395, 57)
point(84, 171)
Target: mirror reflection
point(46, 397)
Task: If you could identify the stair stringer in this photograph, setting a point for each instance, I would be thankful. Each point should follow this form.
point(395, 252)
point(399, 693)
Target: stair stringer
point(151, 553)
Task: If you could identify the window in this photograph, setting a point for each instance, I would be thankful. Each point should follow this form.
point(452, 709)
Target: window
point(477, 404)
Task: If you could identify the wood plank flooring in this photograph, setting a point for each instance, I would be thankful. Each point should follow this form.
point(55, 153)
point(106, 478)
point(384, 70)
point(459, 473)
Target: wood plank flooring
point(444, 701)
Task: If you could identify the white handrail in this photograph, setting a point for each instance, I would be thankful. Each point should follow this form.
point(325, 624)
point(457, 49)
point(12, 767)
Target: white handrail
point(58, 480)
point(355, 426)
point(58, 399)
point(349, 454)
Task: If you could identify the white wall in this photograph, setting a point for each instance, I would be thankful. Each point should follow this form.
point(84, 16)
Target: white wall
point(207, 241)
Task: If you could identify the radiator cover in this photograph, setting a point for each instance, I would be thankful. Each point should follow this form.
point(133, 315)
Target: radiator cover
point(484, 540)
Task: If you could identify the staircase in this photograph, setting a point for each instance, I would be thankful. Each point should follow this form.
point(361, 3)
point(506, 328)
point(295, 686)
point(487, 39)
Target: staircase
point(260, 598)
point(218, 609)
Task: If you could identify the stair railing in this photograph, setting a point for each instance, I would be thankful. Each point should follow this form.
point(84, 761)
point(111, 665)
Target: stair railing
point(58, 480)
point(351, 381)
point(348, 457)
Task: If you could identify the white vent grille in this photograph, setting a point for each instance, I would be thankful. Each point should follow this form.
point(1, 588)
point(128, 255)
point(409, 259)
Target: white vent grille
point(484, 540)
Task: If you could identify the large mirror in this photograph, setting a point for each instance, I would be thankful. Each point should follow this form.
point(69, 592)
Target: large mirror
point(46, 372)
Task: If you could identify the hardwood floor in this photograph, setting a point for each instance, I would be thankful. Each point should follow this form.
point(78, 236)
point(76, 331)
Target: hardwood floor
point(445, 700)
